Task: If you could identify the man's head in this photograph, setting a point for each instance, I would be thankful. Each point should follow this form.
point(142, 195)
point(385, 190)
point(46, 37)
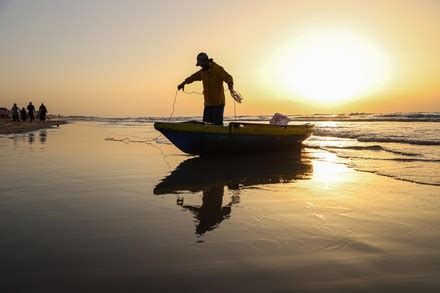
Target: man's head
point(15, 104)
point(30, 103)
point(203, 60)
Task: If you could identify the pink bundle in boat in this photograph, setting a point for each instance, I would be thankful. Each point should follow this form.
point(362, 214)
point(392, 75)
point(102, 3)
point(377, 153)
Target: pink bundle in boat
point(279, 119)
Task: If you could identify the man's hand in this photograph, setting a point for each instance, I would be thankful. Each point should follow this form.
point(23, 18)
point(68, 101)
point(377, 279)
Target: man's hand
point(181, 86)
point(236, 96)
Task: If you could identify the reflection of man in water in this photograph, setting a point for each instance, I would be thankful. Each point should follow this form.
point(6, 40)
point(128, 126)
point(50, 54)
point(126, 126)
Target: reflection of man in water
point(211, 213)
point(43, 136)
point(191, 176)
point(31, 138)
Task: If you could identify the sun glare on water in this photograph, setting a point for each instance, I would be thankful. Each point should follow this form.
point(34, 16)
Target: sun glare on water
point(332, 67)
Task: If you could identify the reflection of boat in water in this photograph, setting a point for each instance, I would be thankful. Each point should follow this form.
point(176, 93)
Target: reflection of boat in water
point(211, 175)
point(198, 138)
point(195, 174)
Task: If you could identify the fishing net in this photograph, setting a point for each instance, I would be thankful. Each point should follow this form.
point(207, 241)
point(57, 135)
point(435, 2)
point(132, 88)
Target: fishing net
point(236, 96)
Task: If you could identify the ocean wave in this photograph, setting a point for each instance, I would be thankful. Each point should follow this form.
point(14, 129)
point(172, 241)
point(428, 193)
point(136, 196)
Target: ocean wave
point(412, 160)
point(433, 116)
point(409, 160)
point(370, 148)
point(358, 161)
point(352, 117)
point(398, 177)
point(399, 140)
point(374, 137)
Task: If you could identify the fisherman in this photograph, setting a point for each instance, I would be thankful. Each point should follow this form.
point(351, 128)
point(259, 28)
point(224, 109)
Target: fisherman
point(31, 111)
point(42, 112)
point(212, 76)
point(15, 111)
point(23, 114)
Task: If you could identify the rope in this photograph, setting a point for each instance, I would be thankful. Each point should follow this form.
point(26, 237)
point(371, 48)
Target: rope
point(150, 141)
point(235, 114)
point(174, 105)
point(189, 93)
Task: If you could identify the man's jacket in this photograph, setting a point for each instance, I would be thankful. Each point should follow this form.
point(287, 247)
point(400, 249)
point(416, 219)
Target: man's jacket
point(212, 80)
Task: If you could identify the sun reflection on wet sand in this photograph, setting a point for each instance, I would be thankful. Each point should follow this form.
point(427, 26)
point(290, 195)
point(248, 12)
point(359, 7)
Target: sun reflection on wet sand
point(329, 172)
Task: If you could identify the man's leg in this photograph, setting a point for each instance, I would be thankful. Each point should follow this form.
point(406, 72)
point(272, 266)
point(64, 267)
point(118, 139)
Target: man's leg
point(207, 114)
point(217, 114)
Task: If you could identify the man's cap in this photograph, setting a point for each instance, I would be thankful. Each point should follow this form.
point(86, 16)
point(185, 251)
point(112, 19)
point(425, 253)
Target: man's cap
point(201, 57)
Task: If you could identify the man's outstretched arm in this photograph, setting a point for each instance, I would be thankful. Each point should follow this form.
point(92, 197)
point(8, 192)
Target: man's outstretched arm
point(194, 77)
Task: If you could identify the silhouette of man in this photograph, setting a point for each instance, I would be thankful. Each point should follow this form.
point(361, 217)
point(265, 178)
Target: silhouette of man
point(212, 76)
point(42, 111)
point(31, 111)
point(23, 114)
point(15, 111)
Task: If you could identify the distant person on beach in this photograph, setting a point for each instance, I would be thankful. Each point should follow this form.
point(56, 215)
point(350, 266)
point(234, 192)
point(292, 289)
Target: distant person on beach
point(23, 114)
point(31, 111)
point(212, 76)
point(4, 113)
point(42, 112)
point(15, 111)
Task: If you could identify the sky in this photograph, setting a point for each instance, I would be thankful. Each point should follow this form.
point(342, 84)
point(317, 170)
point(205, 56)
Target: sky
point(126, 58)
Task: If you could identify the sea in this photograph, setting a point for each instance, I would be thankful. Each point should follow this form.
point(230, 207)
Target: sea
point(108, 205)
point(403, 146)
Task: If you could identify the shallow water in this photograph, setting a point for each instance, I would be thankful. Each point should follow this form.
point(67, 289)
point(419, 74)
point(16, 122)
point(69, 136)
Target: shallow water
point(404, 146)
point(80, 213)
point(408, 151)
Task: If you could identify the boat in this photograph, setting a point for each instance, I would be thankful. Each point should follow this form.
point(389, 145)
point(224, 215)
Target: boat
point(199, 138)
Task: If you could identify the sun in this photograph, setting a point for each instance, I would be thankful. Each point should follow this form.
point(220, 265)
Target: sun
point(332, 66)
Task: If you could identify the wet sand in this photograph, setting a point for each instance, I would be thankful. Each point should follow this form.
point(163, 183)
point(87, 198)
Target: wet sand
point(99, 216)
point(9, 127)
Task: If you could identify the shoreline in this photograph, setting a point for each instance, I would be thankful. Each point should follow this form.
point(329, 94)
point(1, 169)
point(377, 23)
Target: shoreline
point(15, 127)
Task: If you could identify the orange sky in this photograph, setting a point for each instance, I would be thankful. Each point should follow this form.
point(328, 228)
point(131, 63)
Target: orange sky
point(125, 58)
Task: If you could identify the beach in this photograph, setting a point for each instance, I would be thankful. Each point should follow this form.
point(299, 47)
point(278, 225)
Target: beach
point(223, 146)
point(81, 212)
point(10, 127)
